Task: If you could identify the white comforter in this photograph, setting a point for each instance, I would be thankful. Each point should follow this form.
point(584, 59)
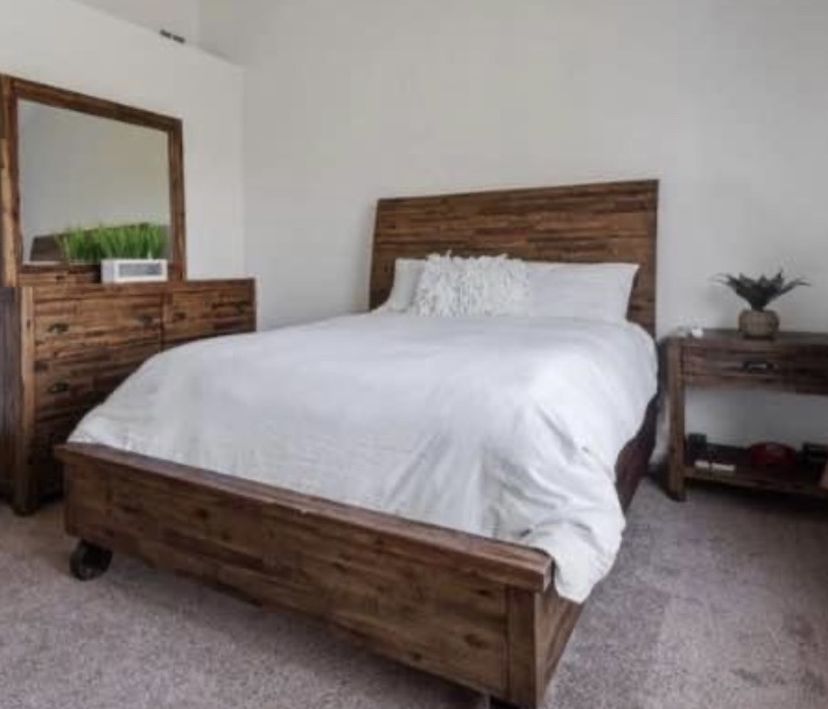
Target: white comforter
point(505, 427)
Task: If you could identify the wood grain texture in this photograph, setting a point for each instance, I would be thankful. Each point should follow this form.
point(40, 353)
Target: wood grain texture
point(68, 327)
point(676, 395)
point(723, 359)
point(66, 347)
point(10, 398)
point(11, 240)
point(178, 209)
point(13, 270)
point(610, 222)
point(58, 97)
point(428, 597)
point(65, 275)
point(71, 386)
point(794, 362)
point(478, 611)
point(25, 485)
point(192, 313)
point(18, 406)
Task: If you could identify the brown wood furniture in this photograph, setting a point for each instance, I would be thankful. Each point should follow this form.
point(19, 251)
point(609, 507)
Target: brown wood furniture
point(793, 362)
point(66, 348)
point(483, 613)
point(68, 341)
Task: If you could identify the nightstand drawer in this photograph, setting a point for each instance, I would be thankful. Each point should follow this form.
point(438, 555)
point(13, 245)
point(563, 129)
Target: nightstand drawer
point(776, 366)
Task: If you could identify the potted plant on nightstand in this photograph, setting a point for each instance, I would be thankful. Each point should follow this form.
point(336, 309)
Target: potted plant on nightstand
point(757, 322)
point(127, 254)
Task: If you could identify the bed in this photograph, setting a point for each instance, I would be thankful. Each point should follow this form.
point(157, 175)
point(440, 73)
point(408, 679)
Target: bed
point(479, 611)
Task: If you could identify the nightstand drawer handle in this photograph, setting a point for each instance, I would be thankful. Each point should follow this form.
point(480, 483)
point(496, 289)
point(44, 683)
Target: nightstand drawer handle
point(59, 388)
point(58, 328)
point(759, 366)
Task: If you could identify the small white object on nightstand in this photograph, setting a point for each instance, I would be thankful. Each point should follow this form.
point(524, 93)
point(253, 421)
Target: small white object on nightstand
point(694, 331)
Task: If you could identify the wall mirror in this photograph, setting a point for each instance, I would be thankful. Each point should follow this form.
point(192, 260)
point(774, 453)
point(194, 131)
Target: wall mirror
point(78, 166)
point(80, 172)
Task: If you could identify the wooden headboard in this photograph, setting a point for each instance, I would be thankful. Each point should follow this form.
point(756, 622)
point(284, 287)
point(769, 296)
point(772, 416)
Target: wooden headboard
point(614, 221)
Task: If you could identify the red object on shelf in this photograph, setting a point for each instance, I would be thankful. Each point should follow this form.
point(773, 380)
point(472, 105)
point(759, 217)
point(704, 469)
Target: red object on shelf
point(773, 456)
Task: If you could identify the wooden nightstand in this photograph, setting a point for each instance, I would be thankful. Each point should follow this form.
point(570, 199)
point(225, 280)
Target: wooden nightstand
point(793, 362)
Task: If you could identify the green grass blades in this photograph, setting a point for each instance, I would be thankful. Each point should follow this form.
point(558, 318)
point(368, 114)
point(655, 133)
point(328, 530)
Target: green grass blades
point(128, 241)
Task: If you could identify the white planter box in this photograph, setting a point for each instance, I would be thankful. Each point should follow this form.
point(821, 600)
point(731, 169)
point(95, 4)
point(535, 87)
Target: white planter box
point(116, 270)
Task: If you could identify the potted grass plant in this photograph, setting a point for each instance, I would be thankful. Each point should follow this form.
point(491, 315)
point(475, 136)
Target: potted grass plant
point(758, 322)
point(127, 253)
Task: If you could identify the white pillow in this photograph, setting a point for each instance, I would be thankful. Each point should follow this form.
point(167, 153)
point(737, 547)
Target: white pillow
point(599, 291)
point(407, 272)
point(455, 287)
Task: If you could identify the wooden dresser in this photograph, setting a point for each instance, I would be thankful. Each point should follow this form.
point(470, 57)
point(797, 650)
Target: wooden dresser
point(65, 348)
point(67, 341)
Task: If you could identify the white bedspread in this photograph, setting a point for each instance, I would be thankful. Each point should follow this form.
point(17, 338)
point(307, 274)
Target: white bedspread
point(505, 427)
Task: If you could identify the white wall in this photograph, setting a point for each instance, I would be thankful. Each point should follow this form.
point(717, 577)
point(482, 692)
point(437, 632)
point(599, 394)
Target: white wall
point(178, 16)
point(67, 44)
point(724, 100)
point(82, 171)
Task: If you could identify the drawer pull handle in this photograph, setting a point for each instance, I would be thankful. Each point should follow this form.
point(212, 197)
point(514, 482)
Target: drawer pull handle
point(146, 320)
point(59, 388)
point(758, 366)
point(58, 328)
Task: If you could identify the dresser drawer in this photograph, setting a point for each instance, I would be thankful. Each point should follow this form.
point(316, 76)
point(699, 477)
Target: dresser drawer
point(199, 313)
point(70, 386)
point(47, 472)
point(48, 434)
point(796, 368)
point(66, 328)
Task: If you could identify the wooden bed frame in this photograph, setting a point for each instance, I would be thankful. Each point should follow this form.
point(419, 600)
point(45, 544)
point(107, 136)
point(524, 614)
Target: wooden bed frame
point(480, 612)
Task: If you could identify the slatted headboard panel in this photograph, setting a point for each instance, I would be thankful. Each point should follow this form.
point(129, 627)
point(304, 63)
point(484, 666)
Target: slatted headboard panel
point(614, 221)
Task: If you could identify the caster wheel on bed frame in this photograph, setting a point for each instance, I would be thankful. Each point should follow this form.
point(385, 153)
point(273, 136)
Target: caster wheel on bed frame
point(89, 561)
point(495, 703)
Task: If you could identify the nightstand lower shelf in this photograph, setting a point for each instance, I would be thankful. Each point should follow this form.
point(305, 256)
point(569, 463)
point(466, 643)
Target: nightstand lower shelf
point(803, 480)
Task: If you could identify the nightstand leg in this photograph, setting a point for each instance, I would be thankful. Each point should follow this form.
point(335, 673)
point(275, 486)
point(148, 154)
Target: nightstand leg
point(675, 475)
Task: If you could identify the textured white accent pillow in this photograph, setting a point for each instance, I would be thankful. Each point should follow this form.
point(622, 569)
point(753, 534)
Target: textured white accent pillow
point(488, 285)
point(407, 272)
point(599, 291)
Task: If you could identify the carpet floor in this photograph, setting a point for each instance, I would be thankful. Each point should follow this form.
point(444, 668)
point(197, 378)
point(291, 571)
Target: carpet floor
point(719, 603)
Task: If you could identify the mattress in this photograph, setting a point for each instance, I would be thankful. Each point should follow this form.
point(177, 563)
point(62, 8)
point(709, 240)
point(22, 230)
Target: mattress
point(506, 427)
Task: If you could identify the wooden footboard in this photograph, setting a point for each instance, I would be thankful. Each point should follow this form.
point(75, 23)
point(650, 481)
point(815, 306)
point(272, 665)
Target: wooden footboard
point(480, 612)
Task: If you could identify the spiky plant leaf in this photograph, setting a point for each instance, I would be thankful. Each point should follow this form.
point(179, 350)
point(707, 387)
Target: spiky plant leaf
point(760, 292)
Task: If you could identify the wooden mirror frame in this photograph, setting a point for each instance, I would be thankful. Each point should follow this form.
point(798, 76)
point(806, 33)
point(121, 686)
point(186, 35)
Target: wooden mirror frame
point(13, 270)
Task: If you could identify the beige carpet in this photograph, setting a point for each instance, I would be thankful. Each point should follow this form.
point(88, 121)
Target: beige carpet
point(718, 603)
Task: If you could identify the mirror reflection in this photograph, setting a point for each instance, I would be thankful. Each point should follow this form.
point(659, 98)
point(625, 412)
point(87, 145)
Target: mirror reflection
point(87, 181)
